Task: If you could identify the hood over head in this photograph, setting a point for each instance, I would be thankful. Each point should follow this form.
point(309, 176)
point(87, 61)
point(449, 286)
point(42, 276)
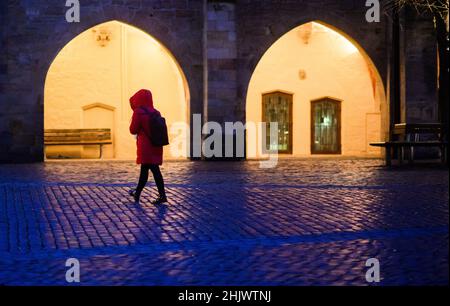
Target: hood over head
point(142, 98)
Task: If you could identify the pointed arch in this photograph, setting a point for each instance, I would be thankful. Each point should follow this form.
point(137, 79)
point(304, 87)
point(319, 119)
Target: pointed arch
point(105, 65)
point(315, 60)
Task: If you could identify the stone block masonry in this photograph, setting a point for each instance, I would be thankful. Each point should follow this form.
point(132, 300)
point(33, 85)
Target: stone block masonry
point(222, 58)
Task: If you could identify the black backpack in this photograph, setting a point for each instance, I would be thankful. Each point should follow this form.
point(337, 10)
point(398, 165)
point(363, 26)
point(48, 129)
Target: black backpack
point(158, 129)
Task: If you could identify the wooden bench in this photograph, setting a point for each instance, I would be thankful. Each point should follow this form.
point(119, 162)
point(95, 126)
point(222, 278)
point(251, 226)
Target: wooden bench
point(79, 137)
point(406, 136)
point(402, 145)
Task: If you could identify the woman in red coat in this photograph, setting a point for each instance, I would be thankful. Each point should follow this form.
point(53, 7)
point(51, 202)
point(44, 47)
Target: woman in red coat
point(148, 156)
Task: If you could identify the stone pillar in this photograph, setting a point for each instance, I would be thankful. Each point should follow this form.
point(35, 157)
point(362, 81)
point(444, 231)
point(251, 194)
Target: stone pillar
point(222, 58)
point(420, 68)
point(5, 135)
point(394, 87)
point(222, 55)
point(21, 108)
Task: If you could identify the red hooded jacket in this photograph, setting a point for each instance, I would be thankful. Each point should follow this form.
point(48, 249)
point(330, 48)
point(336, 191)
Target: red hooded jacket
point(140, 126)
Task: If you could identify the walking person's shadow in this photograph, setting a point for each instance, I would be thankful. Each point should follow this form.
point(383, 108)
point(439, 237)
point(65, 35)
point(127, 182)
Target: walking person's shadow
point(161, 211)
point(153, 217)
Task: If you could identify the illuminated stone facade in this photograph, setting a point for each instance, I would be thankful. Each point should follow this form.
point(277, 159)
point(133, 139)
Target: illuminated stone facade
point(238, 34)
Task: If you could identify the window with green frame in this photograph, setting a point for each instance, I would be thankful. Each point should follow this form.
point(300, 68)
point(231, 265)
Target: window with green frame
point(326, 126)
point(277, 107)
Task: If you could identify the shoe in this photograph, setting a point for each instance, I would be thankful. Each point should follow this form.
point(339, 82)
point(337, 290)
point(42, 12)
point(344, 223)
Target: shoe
point(160, 200)
point(132, 193)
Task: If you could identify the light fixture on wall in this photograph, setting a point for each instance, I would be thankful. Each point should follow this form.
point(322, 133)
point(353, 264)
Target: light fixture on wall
point(102, 36)
point(302, 74)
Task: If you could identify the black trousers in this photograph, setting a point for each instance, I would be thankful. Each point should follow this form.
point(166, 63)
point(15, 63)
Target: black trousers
point(143, 179)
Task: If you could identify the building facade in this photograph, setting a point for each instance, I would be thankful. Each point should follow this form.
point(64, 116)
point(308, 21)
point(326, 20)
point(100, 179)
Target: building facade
point(318, 68)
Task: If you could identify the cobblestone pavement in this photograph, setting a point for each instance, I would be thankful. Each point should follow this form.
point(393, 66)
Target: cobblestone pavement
point(307, 222)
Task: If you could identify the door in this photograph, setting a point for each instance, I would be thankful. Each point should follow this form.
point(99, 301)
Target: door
point(99, 116)
point(277, 107)
point(326, 126)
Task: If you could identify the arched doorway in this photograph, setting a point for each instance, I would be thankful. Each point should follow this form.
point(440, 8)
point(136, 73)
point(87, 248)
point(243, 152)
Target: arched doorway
point(90, 81)
point(338, 98)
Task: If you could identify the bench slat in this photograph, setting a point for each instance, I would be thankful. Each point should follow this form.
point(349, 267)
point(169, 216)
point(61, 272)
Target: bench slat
point(82, 143)
point(79, 135)
point(77, 140)
point(75, 130)
point(409, 143)
point(85, 137)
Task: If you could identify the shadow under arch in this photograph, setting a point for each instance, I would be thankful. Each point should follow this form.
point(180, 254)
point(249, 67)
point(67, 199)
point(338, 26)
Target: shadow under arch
point(171, 54)
point(186, 96)
point(378, 86)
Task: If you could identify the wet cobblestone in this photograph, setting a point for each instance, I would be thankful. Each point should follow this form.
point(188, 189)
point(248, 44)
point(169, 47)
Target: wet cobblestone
point(307, 222)
point(365, 172)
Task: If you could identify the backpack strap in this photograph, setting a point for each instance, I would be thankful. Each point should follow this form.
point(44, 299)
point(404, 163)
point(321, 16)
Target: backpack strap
point(151, 116)
point(146, 111)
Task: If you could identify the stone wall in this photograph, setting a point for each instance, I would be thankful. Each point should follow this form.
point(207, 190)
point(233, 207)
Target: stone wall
point(222, 55)
point(5, 133)
point(420, 70)
point(33, 32)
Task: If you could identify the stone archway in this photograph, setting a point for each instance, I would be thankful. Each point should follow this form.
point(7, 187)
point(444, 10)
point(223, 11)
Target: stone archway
point(40, 33)
point(108, 63)
point(313, 61)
